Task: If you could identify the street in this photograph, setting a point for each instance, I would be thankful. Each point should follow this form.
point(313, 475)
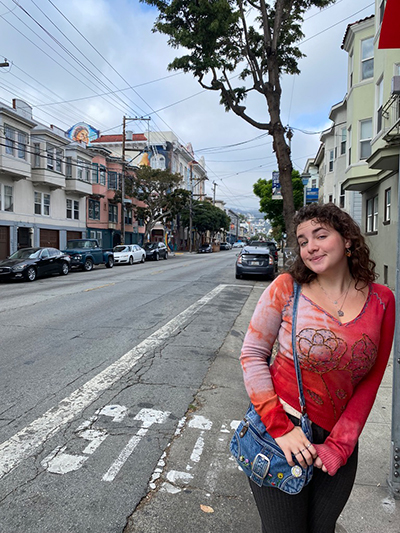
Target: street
point(98, 369)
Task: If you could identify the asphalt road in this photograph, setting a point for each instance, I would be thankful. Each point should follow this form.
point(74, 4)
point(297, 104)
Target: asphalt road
point(98, 368)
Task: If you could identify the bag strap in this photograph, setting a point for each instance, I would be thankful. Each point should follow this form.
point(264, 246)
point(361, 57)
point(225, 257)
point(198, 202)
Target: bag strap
point(296, 296)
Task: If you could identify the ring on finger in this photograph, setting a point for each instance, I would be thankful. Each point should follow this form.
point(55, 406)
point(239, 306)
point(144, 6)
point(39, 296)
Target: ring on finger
point(308, 445)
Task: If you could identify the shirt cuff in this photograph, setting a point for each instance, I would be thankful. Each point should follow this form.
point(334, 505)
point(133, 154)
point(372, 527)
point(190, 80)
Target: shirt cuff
point(330, 458)
point(277, 422)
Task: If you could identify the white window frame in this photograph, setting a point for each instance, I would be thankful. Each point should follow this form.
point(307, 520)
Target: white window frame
point(388, 205)
point(6, 197)
point(367, 58)
point(98, 235)
point(379, 106)
point(16, 142)
point(42, 204)
point(365, 141)
point(36, 155)
point(331, 160)
point(349, 131)
point(372, 215)
point(343, 141)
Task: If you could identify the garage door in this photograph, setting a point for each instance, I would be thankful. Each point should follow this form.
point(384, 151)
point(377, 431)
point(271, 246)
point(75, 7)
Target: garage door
point(4, 242)
point(49, 237)
point(74, 235)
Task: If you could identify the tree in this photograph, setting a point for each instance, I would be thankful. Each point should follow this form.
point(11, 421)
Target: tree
point(159, 192)
point(273, 208)
point(252, 41)
point(206, 217)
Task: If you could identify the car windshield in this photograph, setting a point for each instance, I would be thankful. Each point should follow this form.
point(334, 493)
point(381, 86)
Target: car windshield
point(121, 249)
point(150, 245)
point(27, 253)
point(75, 244)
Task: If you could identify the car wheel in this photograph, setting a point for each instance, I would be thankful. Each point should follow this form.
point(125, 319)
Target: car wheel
point(110, 262)
point(130, 260)
point(238, 276)
point(143, 259)
point(64, 269)
point(88, 265)
point(30, 274)
point(156, 257)
point(166, 255)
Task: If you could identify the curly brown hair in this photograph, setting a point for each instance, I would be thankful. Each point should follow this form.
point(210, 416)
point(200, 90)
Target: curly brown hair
point(362, 267)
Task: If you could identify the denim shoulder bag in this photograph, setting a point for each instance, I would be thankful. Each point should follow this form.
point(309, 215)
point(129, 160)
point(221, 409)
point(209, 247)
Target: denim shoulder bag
point(258, 454)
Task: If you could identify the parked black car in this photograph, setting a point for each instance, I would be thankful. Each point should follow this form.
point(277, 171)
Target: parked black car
point(255, 261)
point(205, 249)
point(30, 263)
point(155, 250)
point(272, 247)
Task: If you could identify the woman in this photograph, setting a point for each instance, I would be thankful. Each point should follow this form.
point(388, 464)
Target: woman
point(345, 328)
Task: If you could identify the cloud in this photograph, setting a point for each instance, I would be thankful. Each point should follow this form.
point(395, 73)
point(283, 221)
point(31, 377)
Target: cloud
point(133, 55)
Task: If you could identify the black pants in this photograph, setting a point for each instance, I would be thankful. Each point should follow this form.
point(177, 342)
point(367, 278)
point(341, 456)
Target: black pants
point(316, 508)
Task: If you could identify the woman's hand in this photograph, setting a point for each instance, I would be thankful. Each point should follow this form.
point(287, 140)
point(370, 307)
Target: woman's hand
point(295, 442)
point(318, 464)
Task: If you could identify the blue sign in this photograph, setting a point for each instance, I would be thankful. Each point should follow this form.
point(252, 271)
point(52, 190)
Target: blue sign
point(312, 195)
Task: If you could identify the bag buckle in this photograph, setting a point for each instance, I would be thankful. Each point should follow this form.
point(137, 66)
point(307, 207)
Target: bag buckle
point(260, 468)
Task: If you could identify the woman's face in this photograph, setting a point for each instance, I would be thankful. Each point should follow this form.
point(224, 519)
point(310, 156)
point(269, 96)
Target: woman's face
point(322, 248)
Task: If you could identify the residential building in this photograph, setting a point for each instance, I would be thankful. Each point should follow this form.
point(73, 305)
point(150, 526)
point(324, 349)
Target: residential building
point(373, 134)
point(39, 204)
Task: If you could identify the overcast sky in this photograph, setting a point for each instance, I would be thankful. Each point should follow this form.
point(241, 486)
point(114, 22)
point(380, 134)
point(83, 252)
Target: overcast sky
point(64, 54)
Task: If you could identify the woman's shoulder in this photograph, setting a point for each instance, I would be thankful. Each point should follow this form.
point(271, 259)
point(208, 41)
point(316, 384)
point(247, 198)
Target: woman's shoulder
point(383, 292)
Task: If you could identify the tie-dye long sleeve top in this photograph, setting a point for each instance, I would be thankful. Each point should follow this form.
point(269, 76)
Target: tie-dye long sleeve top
point(342, 364)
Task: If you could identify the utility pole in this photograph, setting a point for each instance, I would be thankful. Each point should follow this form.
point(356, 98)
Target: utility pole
point(191, 209)
point(214, 191)
point(122, 187)
point(123, 182)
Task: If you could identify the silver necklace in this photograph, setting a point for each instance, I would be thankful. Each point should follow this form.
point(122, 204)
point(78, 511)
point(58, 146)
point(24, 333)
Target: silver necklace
point(336, 302)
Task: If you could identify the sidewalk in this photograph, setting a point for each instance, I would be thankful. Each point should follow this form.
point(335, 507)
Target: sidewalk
point(197, 487)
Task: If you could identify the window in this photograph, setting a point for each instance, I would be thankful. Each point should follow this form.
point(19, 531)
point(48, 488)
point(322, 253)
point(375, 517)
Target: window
point(73, 209)
point(42, 204)
point(6, 198)
point(102, 175)
point(112, 180)
point(68, 167)
point(331, 157)
point(379, 105)
point(94, 209)
point(342, 196)
point(10, 135)
point(22, 141)
point(351, 63)
point(367, 58)
point(343, 141)
point(381, 10)
point(36, 155)
point(98, 235)
point(59, 157)
point(128, 216)
point(349, 143)
point(50, 156)
point(365, 138)
point(83, 170)
point(372, 215)
point(16, 142)
point(388, 194)
point(112, 213)
point(95, 173)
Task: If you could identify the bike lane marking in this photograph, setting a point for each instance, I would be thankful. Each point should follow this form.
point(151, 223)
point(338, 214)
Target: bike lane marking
point(25, 443)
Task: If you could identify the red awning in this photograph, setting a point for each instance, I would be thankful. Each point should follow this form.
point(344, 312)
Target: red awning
point(390, 34)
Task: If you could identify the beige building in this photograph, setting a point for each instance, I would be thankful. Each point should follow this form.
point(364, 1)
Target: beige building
point(358, 159)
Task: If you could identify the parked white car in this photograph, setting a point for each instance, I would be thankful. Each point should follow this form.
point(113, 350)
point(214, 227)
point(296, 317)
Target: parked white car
point(129, 254)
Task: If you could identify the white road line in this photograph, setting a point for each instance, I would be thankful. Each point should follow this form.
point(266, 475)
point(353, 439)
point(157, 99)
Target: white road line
point(25, 443)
